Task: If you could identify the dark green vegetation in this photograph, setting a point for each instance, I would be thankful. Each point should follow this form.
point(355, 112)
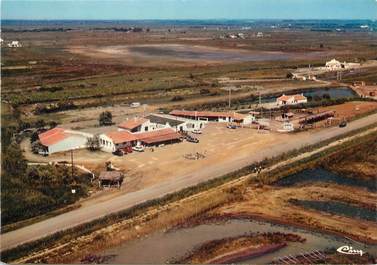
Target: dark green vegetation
point(65, 236)
point(105, 119)
point(28, 191)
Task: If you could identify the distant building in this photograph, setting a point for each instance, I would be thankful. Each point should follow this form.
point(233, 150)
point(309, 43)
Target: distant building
point(61, 140)
point(291, 99)
point(260, 35)
point(209, 115)
point(15, 44)
point(335, 65)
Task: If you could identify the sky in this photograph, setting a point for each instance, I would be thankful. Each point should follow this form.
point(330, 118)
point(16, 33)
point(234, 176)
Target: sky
point(188, 9)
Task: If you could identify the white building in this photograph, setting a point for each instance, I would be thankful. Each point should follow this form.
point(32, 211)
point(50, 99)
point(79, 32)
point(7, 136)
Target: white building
point(111, 141)
point(15, 44)
point(260, 35)
point(61, 140)
point(175, 122)
point(291, 99)
point(137, 125)
point(154, 122)
point(334, 65)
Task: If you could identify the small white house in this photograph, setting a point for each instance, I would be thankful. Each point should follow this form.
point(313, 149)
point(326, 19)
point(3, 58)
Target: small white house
point(334, 65)
point(112, 141)
point(260, 35)
point(61, 140)
point(15, 44)
point(291, 99)
point(137, 125)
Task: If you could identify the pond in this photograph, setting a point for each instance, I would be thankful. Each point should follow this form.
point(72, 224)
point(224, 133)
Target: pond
point(323, 175)
point(162, 247)
point(340, 208)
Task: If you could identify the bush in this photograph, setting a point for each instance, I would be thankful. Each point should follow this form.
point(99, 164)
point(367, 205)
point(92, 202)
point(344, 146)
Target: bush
point(93, 143)
point(105, 118)
point(177, 98)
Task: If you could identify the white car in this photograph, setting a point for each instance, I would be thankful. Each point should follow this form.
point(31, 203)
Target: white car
point(196, 131)
point(135, 105)
point(138, 148)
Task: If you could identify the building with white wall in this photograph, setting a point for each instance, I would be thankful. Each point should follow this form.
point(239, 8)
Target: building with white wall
point(291, 100)
point(112, 141)
point(61, 140)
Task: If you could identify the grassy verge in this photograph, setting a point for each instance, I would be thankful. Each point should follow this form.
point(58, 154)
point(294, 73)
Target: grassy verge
point(67, 235)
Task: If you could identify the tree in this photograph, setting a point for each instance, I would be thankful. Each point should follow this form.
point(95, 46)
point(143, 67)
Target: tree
point(93, 143)
point(289, 75)
point(105, 118)
point(40, 124)
point(13, 161)
point(52, 124)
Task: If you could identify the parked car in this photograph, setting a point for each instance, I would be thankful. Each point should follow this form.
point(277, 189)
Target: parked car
point(231, 126)
point(43, 152)
point(343, 124)
point(135, 104)
point(119, 152)
point(196, 131)
point(138, 148)
point(192, 139)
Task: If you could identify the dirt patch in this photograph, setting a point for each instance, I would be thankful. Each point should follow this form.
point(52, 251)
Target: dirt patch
point(185, 54)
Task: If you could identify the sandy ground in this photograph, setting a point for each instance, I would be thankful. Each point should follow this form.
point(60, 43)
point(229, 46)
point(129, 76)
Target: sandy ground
point(103, 207)
point(218, 144)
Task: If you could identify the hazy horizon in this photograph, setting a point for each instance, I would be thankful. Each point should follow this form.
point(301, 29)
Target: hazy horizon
point(188, 10)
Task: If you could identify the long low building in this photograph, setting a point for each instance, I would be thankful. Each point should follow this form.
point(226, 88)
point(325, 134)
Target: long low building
point(61, 140)
point(112, 141)
point(154, 122)
point(209, 115)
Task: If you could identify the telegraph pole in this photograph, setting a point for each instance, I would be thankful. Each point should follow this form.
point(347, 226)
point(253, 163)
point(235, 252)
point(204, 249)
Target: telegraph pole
point(72, 163)
point(230, 94)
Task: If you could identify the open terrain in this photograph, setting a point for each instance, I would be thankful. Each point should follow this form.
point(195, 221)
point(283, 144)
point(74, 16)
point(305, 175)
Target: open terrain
point(68, 76)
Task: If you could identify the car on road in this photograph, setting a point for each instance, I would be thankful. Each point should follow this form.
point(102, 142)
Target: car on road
point(231, 126)
point(138, 148)
point(196, 131)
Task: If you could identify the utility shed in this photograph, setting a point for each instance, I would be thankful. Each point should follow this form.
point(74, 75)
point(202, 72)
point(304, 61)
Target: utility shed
point(110, 178)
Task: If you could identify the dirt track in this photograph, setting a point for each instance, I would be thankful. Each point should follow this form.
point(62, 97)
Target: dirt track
point(86, 214)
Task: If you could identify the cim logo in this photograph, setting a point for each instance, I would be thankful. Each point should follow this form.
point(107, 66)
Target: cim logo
point(348, 250)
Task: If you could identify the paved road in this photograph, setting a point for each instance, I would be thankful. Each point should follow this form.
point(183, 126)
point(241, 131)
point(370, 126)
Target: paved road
point(92, 212)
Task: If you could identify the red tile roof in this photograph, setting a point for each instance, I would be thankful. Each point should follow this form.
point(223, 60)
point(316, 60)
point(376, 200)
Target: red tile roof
point(158, 136)
point(299, 97)
point(119, 137)
point(295, 97)
point(132, 123)
point(156, 133)
point(52, 136)
point(208, 114)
